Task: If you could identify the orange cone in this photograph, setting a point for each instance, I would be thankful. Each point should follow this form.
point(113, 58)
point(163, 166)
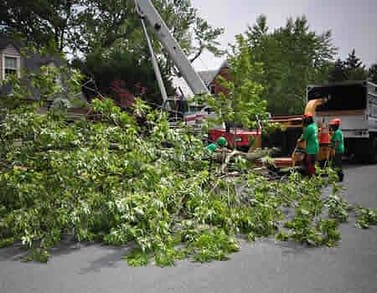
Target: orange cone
point(324, 140)
point(324, 136)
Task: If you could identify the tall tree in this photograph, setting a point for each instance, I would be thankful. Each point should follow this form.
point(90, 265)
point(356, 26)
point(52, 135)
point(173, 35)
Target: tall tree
point(241, 102)
point(86, 25)
point(101, 30)
point(338, 71)
point(293, 56)
point(42, 23)
point(352, 61)
point(373, 73)
point(354, 67)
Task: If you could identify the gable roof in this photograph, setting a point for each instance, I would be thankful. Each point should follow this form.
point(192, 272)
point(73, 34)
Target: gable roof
point(33, 61)
point(209, 75)
point(6, 41)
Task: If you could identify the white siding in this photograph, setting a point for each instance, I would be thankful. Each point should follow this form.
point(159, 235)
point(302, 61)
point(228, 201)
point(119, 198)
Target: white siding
point(11, 51)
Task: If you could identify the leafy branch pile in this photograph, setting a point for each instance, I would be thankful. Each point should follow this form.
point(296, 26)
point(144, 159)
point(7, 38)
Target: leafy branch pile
point(117, 182)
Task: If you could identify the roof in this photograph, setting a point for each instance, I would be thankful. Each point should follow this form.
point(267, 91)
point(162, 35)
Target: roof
point(6, 41)
point(34, 62)
point(209, 75)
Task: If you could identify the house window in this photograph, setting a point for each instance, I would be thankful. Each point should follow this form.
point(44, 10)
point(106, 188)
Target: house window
point(10, 66)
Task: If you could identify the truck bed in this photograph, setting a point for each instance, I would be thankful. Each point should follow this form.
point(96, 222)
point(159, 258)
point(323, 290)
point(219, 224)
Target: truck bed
point(354, 102)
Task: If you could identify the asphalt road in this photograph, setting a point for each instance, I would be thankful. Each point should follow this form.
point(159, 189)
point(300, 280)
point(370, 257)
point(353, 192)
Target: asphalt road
point(263, 266)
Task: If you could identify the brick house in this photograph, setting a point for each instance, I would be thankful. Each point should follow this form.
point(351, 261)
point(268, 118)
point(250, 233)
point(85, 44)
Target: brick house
point(210, 78)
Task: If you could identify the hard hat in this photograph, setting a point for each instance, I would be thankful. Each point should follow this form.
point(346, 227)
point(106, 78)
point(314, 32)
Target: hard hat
point(221, 141)
point(335, 121)
point(307, 115)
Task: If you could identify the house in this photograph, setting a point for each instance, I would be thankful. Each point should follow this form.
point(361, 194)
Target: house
point(210, 78)
point(13, 60)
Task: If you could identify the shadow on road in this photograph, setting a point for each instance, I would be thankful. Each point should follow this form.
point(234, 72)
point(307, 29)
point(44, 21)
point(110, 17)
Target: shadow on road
point(16, 252)
point(112, 257)
point(96, 256)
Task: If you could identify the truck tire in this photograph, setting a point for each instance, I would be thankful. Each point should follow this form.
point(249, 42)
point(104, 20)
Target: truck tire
point(365, 150)
point(359, 149)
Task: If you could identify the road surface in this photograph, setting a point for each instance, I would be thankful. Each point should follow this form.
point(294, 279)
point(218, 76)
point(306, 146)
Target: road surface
point(261, 267)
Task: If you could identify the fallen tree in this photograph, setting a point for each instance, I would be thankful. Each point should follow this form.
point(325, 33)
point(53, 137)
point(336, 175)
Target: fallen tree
point(62, 179)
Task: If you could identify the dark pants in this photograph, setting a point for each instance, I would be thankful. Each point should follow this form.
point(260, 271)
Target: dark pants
point(337, 165)
point(309, 164)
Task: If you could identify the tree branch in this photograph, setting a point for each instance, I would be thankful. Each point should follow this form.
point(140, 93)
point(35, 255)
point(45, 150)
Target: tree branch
point(199, 52)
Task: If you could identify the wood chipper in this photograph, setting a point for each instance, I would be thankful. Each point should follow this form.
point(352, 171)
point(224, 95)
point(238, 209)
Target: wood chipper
point(289, 143)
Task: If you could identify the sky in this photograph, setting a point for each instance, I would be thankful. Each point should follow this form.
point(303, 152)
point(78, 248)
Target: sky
point(353, 22)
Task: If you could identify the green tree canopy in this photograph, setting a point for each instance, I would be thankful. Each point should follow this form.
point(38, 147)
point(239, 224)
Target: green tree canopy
point(41, 23)
point(241, 101)
point(293, 56)
point(122, 77)
point(355, 69)
point(84, 26)
point(338, 71)
point(109, 32)
point(352, 68)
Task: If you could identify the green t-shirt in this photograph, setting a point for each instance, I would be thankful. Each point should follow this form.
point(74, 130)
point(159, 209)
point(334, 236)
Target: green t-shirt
point(311, 139)
point(338, 137)
point(211, 147)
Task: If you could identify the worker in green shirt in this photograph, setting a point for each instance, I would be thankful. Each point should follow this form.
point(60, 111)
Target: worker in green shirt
point(337, 144)
point(220, 143)
point(310, 136)
point(218, 150)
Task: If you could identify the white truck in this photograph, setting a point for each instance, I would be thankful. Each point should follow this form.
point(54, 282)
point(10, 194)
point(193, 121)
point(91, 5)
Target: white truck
point(355, 103)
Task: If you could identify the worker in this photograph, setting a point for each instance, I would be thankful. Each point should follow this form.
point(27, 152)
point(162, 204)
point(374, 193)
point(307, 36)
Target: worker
point(337, 144)
point(218, 151)
point(310, 136)
point(218, 145)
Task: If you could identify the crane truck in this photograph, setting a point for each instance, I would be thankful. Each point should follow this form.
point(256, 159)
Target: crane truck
point(149, 15)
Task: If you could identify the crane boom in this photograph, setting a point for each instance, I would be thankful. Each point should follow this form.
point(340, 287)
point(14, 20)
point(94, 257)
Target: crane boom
point(147, 11)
